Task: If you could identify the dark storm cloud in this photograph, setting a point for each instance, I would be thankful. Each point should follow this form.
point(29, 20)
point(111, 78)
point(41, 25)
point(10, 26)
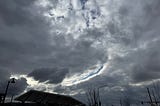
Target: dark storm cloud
point(29, 41)
point(141, 63)
point(79, 54)
point(23, 36)
point(140, 60)
point(21, 41)
point(148, 67)
point(52, 75)
point(14, 12)
point(138, 37)
point(143, 56)
point(4, 74)
point(27, 44)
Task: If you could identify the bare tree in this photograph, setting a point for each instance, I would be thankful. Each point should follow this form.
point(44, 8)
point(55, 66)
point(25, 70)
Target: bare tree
point(126, 101)
point(93, 97)
point(156, 89)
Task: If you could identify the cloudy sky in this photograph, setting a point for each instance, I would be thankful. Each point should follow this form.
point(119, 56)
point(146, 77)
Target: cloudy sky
point(68, 46)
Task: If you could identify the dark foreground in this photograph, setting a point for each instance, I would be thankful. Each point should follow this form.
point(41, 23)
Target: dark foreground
point(29, 104)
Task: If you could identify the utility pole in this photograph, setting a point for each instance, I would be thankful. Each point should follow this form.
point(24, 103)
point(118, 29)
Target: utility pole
point(6, 91)
point(149, 95)
point(121, 102)
point(151, 102)
point(155, 100)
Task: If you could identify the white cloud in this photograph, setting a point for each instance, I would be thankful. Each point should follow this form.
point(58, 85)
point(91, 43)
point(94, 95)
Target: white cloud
point(85, 76)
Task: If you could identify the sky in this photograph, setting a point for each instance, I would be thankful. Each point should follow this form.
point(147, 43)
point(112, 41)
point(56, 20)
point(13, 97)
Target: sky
point(68, 46)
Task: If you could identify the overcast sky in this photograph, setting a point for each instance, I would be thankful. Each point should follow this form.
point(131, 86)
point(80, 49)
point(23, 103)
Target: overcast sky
point(67, 46)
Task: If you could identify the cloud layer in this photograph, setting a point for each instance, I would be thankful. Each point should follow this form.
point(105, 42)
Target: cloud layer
point(54, 40)
point(51, 75)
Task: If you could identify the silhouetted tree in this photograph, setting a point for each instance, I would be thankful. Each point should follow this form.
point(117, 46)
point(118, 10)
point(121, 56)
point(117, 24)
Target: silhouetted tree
point(126, 101)
point(93, 97)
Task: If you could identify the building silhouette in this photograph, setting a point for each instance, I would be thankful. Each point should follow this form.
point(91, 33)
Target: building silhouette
point(39, 98)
